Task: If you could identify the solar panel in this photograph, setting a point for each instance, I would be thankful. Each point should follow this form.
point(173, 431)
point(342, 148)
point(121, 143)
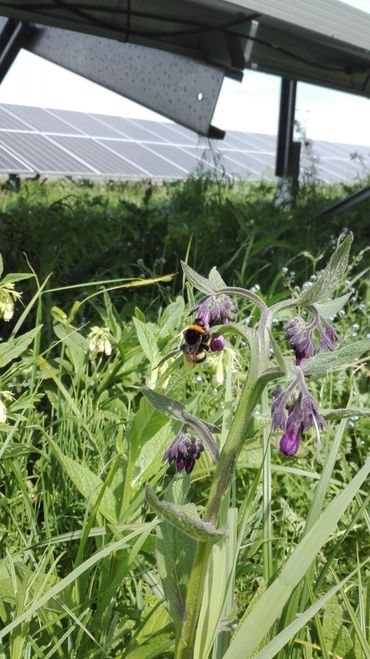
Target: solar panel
point(129, 129)
point(165, 133)
point(63, 142)
point(42, 155)
point(85, 123)
point(11, 164)
point(39, 119)
point(9, 122)
point(187, 158)
point(173, 136)
point(149, 161)
point(98, 156)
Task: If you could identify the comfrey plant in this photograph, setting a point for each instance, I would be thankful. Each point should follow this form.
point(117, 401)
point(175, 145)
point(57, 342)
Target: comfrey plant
point(315, 350)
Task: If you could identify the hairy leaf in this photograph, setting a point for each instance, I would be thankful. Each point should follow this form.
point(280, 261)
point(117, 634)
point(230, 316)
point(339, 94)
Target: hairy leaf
point(329, 309)
point(201, 283)
point(174, 555)
point(331, 277)
point(178, 411)
point(185, 518)
point(325, 362)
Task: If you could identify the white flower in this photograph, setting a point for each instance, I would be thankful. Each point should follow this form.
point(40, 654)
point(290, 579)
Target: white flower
point(8, 313)
point(2, 412)
point(98, 341)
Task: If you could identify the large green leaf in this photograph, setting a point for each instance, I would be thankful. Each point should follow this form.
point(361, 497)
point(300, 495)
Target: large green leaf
point(331, 277)
point(268, 608)
point(147, 340)
point(88, 484)
point(325, 362)
point(13, 348)
point(331, 308)
point(201, 283)
point(176, 410)
point(175, 554)
point(185, 518)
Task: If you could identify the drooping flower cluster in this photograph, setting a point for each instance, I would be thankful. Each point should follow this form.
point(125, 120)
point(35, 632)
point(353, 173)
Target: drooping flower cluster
point(294, 411)
point(212, 311)
point(184, 451)
point(98, 341)
point(8, 296)
point(301, 336)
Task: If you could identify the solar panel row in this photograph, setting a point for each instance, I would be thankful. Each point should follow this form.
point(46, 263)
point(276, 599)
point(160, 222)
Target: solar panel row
point(60, 142)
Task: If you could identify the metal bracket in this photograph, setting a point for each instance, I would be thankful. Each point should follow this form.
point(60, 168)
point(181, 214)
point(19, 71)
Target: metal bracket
point(250, 43)
point(177, 87)
point(13, 36)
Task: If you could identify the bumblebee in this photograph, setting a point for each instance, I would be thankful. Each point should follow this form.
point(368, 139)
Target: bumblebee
point(196, 344)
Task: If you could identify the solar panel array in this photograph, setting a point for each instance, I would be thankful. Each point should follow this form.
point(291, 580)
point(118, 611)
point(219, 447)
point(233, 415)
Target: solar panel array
point(60, 143)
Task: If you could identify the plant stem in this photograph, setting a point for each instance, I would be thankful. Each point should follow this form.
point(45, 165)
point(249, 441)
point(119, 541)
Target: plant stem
point(249, 397)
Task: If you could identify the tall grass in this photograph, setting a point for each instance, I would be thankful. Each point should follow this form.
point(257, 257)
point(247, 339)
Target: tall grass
point(83, 572)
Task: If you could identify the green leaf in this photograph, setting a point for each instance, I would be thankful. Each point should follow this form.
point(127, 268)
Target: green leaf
point(270, 605)
point(88, 484)
point(281, 639)
point(75, 343)
point(201, 283)
point(344, 412)
point(178, 411)
point(331, 308)
point(13, 277)
point(13, 348)
point(175, 554)
point(185, 518)
point(172, 316)
point(331, 277)
point(74, 575)
point(147, 340)
point(215, 279)
point(325, 362)
point(336, 635)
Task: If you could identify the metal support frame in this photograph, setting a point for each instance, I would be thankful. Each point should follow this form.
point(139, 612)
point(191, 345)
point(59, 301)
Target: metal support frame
point(13, 36)
point(288, 151)
point(177, 87)
point(353, 200)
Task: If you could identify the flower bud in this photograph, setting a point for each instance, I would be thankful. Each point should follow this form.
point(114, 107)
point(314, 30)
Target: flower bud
point(217, 343)
point(289, 443)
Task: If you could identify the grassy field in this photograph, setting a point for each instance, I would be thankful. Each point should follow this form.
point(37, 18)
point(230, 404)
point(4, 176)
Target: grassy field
point(93, 562)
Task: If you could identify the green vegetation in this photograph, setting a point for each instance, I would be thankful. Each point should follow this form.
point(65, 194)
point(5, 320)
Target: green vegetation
point(91, 565)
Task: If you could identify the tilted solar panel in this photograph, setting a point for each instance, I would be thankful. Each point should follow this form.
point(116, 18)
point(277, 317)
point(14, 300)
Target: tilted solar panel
point(61, 142)
point(151, 164)
point(86, 124)
point(98, 156)
point(40, 120)
point(42, 155)
point(10, 164)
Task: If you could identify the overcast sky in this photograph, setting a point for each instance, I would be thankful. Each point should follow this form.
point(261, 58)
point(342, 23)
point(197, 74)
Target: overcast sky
point(250, 106)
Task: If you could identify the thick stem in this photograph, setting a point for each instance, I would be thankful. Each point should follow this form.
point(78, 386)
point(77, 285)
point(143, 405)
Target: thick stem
point(194, 595)
point(224, 472)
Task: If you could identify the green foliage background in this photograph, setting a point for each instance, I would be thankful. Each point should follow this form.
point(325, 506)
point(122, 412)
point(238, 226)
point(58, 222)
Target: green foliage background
point(80, 442)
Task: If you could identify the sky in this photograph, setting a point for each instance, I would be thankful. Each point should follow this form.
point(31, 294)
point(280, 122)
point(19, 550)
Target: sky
point(250, 106)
